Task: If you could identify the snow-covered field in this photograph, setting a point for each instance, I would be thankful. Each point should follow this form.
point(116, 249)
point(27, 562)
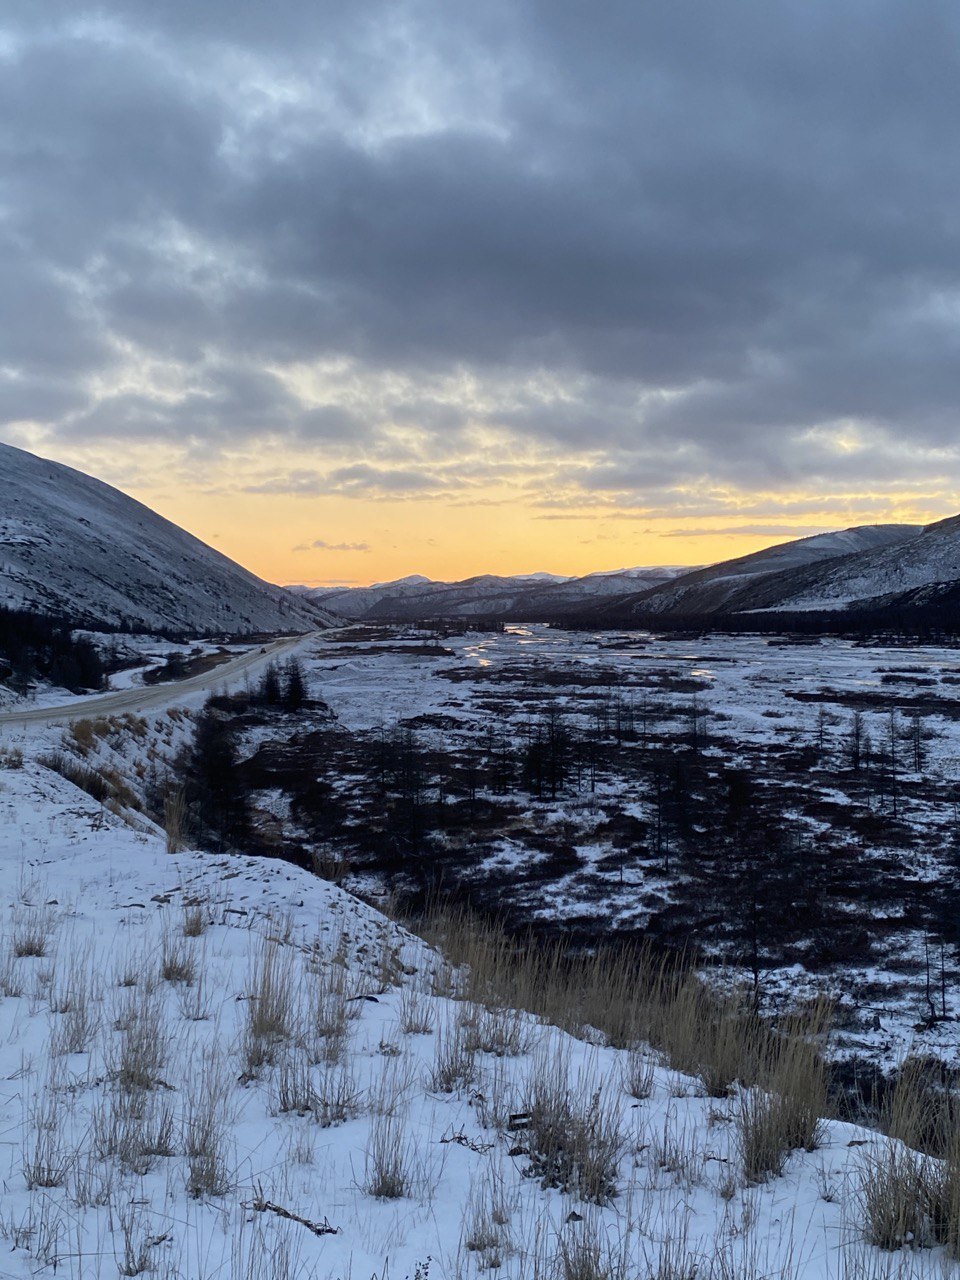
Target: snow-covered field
point(216, 1066)
point(783, 712)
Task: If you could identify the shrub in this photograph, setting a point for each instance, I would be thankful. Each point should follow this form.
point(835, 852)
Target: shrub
point(574, 1144)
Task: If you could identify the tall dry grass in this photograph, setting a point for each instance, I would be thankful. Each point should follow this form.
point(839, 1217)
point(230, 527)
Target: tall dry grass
point(910, 1186)
point(634, 997)
point(629, 995)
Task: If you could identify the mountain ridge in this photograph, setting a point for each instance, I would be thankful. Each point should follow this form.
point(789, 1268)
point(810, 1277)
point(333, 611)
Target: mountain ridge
point(522, 597)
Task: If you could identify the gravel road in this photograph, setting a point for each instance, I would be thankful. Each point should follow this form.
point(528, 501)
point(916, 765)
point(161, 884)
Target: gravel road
point(150, 697)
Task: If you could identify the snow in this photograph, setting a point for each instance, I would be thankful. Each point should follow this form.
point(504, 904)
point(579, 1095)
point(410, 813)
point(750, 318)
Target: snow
point(758, 693)
point(74, 546)
point(731, 584)
point(112, 905)
point(516, 596)
point(933, 556)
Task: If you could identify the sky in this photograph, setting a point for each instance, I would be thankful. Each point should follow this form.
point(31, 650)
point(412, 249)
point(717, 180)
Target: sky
point(359, 290)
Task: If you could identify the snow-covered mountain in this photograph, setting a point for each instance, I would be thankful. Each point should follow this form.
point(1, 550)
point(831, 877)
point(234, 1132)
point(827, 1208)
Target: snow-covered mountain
point(74, 546)
point(929, 557)
point(519, 598)
point(767, 578)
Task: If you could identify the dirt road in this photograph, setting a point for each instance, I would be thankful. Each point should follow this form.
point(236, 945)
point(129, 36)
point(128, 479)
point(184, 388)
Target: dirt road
point(148, 698)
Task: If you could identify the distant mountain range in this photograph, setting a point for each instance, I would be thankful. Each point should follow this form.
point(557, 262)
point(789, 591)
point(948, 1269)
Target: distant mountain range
point(74, 547)
point(775, 577)
point(524, 597)
point(853, 571)
point(875, 570)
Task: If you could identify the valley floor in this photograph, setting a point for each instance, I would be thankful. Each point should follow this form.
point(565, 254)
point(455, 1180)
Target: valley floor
point(790, 809)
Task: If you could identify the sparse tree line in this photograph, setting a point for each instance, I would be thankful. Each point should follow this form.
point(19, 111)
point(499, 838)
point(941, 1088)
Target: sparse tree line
point(922, 616)
point(721, 855)
point(205, 793)
point(35, 647)
point(282, 686)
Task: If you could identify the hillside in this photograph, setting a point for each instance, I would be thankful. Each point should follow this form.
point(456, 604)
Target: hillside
point(739, 584)
point(222, 1065)
point(930, 557)
point(73, 546)
point(825, 571)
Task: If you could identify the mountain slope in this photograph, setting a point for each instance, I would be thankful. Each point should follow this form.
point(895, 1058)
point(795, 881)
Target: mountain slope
point(73, 546)
point(744, 583)
point(930, 557)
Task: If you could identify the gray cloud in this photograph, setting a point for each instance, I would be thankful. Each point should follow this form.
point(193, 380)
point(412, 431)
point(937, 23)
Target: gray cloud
point(750, 531)
point(683, 241)
point(321, 545)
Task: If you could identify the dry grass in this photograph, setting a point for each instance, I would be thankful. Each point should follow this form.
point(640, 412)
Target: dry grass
point(75, 1017)
point(505, 1033)
point(330, 1011)
point(638, 1072)
point(75, 1028)
point(32, 929)
point(416, 1013)
point(487, 1222)
point(454, 1064)
point(135, 1258)
point(136, 1128)
point(175, 820)
point(336, 1097)
point(47, 1154)
point(195, 918)
point(205, 1130)
point(178, 961)
point(11, 981)
point(785, 1114)
point(271, 1009)
point(585, 1255)
point(139, 1049)
point(389, 1159)
point(573, 1138)
point(293, 1084)
point(910, 1187)
point(898, 1190)
point(630, 996)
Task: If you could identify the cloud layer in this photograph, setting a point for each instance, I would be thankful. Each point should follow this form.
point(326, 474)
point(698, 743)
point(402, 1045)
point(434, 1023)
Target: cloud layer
point(638, 258)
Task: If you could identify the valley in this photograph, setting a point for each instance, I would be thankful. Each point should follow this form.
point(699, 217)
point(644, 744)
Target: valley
point(786, 811)
point(784, 814)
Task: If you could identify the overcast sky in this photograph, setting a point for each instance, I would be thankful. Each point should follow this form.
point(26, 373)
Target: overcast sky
point(448, 286)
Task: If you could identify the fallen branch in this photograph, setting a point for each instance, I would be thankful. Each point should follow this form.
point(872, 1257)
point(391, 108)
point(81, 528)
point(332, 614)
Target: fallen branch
point(323, 1228)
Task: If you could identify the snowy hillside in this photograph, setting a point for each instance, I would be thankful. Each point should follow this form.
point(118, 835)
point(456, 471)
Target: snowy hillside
point(521, 597)
point(219, 1066)
point(71, 545)
point(732, 584)
point(931, 556)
